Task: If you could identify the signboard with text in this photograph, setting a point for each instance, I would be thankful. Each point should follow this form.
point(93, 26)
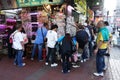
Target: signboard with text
point(28, 3)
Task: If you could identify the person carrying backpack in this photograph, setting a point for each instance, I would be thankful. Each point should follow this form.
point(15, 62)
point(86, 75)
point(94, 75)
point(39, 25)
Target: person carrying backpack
point(66, 52)
point(82, 39)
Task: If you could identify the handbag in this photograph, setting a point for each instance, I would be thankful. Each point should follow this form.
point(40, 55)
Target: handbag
point(75, 56)
point(10, 40)
point(11, 37)
point(33, 37)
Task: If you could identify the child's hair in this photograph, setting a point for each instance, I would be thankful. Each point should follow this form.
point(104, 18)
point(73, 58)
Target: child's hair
point(68, 37)
point(53, 27)
point(23, 31)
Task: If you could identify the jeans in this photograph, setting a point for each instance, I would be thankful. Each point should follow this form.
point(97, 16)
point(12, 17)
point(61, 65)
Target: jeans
point(51, 52)
point(100, 61)
point(18, 58)
point(39, 51)
point(90, 48)
point(85, 53)
point(66, 64)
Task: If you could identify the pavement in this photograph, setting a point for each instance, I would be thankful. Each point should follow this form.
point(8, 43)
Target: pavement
point(35, 70)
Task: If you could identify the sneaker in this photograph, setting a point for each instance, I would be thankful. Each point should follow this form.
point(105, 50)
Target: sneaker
point(105, 68)
point(68, 70)
point(46, 63)
point(75, 66)
point(32, 59)
point(40, 60)
point(54, 65)
point(82, 61)
point(24, 58)
point(98, 74)
point(23, 64)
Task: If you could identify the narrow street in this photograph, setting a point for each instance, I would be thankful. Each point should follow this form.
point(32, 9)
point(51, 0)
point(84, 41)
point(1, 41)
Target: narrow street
point(35, 70)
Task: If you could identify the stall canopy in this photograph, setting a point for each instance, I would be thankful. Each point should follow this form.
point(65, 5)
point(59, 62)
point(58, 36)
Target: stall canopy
point(28, 3)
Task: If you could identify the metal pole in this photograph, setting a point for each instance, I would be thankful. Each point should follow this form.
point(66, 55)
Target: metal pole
point(107, 15)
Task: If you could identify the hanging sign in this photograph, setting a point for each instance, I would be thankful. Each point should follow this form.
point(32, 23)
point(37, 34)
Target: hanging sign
point(28, 3)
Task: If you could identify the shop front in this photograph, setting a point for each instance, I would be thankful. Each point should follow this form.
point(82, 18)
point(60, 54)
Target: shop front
point(33, 14)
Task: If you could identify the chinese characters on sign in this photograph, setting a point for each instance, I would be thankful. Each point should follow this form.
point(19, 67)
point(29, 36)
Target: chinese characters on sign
point(25, 3)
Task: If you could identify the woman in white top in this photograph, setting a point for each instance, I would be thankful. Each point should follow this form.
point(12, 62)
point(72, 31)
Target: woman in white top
point(18, 46)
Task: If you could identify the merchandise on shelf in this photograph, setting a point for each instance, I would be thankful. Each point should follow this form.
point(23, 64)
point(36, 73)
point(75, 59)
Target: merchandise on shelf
point(60, 21)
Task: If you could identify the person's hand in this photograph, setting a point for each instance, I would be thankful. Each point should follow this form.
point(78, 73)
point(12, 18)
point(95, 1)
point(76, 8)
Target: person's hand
point(95, 51)
point(61, 60)
point(23, 49)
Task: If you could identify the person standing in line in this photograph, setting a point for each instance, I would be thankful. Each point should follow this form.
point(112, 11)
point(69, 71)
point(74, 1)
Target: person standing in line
point(103, 39)
point(51, 41)
point(66, 52)
point(39, 40)
point(82, 39)
point(18, 45)
point(90, 32)
point(110, 29)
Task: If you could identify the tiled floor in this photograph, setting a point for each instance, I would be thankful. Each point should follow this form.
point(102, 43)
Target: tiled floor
point(35, 70)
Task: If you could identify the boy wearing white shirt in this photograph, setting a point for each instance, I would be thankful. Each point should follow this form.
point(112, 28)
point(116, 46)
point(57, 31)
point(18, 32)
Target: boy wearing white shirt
point(51, 41)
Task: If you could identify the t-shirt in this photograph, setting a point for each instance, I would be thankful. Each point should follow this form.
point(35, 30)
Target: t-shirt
point(17, 39)
point(100, 38)
point(39, 37)
point(51, 38)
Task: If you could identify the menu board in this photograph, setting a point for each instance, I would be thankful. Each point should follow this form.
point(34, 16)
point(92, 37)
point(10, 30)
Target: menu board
point(28, 3)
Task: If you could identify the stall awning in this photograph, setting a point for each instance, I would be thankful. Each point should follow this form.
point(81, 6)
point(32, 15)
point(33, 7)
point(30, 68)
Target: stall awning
point(28, 3)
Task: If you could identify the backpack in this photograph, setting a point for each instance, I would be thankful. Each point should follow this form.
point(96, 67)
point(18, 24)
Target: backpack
point(67, 46)
point(11, 37)
point(82, 38)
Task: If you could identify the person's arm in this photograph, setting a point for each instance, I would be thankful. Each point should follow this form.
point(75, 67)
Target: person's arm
point(77, 45)
point(56, 38)
point(60, 38)
point(22, 43)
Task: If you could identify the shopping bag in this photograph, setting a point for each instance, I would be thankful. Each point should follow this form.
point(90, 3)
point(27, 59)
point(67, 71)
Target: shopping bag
point(75, 56)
